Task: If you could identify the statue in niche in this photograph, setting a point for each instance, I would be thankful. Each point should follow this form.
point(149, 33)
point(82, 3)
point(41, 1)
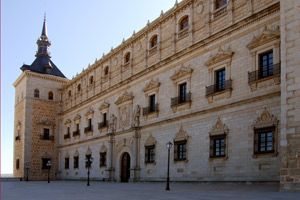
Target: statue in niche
point(113, 123)
point(136, 117)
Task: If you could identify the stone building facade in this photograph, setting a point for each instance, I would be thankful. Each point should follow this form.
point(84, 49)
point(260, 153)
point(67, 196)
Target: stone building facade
point(217, 78)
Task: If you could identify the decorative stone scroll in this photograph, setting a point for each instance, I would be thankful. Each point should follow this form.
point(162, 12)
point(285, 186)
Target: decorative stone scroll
point(77, 118)
point(104, 106)
point(125, 97)
point(103, 149)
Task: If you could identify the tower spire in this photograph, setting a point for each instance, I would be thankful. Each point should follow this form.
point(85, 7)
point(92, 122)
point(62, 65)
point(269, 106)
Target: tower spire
point(44, 31)
point(43, 42)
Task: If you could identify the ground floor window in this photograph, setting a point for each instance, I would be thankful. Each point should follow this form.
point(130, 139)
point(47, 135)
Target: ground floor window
point(180, 150)
point(102, 159)
point(44, 163)
point(150, 154)
point(76, 162)
point(264, 140)
point(66, 163)
point(218, 146)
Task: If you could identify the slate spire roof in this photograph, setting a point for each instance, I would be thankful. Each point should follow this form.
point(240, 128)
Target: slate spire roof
point(43, 64)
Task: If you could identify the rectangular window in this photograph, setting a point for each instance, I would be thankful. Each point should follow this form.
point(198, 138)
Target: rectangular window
point(103, 159)
point(152, 103)
point(44, 163)
point(180, 150)
point(217, 146)
point(220, 80)
point(90, 122)
point(17, 164)
point(220, 3)
point(66, 163)
point(150, 154)
point(46, 134)
point(104, 119)
point(266, 64)
point(264, 140)
point(77, 127)
point(76, 162)
point(182, 93)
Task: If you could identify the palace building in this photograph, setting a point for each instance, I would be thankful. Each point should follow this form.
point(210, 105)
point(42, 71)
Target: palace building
point(220, 79)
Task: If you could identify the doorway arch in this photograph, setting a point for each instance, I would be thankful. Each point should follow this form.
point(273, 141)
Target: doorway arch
point(125, 167)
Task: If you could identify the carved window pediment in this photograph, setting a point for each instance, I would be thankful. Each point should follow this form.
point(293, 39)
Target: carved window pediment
point(89, 112)
point(76, 153)
point(219, 56)
point(77, 118)
point(125, 97)
point(265, 119)
point(103, 149)
point(104, 106)
point(182, 72)
point(181, 135)
point(47, 122)
point(219, 128)
point(67, 155)
point(150, 141)
point(151, 85)
point(89, 151)
point(67, 122)
point(264, 37)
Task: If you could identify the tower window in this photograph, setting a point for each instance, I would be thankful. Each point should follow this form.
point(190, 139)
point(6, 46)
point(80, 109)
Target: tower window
point(36, 93)
point(50, 96)
point(153, 42)
point(184, 23)
point(127, 57)
point(70, 93)
point(106, 71)
point(17, 164)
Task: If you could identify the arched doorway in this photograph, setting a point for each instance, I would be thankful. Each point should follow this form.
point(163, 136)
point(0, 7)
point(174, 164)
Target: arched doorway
point(125, 167)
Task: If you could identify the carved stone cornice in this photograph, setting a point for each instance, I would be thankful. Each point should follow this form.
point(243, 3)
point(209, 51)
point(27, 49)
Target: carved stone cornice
point(219, 56)
point(182, 72)
point(125, 97)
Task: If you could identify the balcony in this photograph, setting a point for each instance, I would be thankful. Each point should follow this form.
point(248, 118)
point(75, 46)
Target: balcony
point(103, 124)
point(88, 129)
point(259, 74)
point(150, 109)
point(75, 133)
point(220, 11)
point(46, 137)
point(67, 136)
point(17, 137)
point(212, 89)
point(181, 99)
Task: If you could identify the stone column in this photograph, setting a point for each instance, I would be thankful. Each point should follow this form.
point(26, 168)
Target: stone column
point(110, 157)
point(135, 156)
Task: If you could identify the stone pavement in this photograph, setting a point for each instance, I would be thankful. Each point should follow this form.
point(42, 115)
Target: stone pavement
point(77, 190)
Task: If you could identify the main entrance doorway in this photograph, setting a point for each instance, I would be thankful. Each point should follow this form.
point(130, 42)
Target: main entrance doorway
point(125, 167)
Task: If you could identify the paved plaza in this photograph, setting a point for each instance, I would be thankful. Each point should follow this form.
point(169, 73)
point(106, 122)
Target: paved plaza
point(77, 190)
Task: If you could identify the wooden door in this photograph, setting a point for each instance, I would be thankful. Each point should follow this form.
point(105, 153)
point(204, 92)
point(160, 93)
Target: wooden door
point(125, 167)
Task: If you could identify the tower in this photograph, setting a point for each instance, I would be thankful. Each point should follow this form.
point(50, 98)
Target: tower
point(37, 104)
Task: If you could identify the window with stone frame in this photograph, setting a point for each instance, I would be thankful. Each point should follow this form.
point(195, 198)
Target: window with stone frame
point(217, 146)
point(180, 150)
point(36, 93)
point(106, 70)
point(102, 159)
point(76, 162)
point(79, 88)
point(220, 3)
point(18, 164)
point(46, 134)
point(127, 58)
point(69, 93)
point(50, 95)
point(44, 163)
point(151, 93)
point(91, 80)
point(266, 64)
point(264, 140)
point(220, 80)
point(67, 163)
point(150, 154)
point(184, 23)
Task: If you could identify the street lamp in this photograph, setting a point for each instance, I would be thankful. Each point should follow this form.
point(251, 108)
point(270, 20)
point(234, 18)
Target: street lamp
point(27, 168)
point(169, 146)
point(88, 162)
point(49, 166)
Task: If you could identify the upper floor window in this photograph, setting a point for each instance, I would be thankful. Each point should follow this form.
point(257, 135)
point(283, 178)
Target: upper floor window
point(184, 23)
point(78, 87)
point(70, 93)
point(220, 80)
point(127, 57)
point(91, 80)
point(220, 3)
point(50, 96)
point(45, 162)
point(36, 93)
point(182, 93)
point(266, 64)
point(103, 159)
point(106, 70)
point(153, 42)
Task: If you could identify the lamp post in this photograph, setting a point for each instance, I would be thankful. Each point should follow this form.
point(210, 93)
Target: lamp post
point(88, 162)
point(27, 168)
point(49, 166)
point(169, 146)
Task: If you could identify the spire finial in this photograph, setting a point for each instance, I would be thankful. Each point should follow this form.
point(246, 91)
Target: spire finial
point(44, 31)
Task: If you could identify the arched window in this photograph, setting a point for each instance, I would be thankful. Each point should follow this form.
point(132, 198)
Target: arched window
point(184, 23)
point(70, 93)
point(36, 93)
point(50, 96)
point(106, 70)
point(220, 3)
point(153, 41)
point(79, 87)
point(91, 80)
point(127, 57)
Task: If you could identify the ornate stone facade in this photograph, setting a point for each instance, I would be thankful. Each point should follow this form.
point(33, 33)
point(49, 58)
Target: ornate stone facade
point(201, 86)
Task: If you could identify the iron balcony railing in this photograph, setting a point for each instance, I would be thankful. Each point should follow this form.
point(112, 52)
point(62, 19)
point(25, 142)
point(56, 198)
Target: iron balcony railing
point(181, 99)
point(260, 74)
point(218, 87)
point(103, 124)
point(150, 109)
point(47, 137)
point(88, 129)
point(75, 133)
point(67, 136)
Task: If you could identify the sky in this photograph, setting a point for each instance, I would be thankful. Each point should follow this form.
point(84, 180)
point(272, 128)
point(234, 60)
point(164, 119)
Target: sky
point(79, 30)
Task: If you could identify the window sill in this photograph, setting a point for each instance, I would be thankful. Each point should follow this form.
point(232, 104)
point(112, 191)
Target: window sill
point(150, 163)
point(180, 160)
point(152, 51)
point(181, 106)
point(183, 33)
point(212, 158)
point(151, 115)
point(265, 154)
point(265, 82)
point(224, 94)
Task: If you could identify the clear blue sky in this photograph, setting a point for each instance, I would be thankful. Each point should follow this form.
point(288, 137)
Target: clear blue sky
point(80, 31)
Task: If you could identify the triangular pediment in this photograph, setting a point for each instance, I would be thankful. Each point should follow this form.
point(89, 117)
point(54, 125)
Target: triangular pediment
point(150, 140)
point(68, 121)
point(264, 37)
point(103, 148)
point(77, 117)
point(265, 118)
point(89, 112)
point(181, 135)
point(104, 106)
point(182, 72)
point(47, 122)
point(125, 97)
point(88, 151)
point(76, 153)
point(151, 85)
point(219, 128)
point(218, 57)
